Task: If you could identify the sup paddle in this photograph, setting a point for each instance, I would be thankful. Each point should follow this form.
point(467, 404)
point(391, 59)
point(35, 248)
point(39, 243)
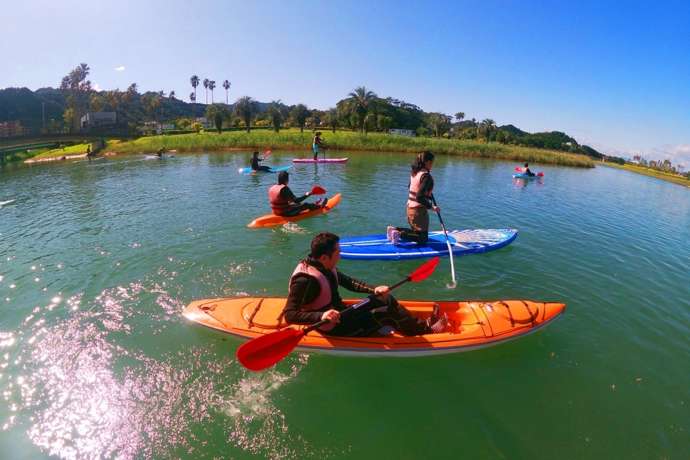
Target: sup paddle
point(454, 283)
point(266, 350)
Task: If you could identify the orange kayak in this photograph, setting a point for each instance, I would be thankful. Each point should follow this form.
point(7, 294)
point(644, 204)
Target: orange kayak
point(474, 324)
point(271, 220)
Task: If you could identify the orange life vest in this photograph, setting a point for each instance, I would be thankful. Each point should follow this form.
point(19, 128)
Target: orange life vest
point(325, 297)
point(279, 205)
point(415, 186)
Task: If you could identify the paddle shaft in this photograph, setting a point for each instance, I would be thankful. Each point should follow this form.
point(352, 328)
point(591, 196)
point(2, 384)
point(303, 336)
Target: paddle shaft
point(445, 232)
point(352, 307)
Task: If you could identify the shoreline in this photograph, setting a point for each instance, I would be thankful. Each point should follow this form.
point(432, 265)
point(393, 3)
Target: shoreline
point(672, 178)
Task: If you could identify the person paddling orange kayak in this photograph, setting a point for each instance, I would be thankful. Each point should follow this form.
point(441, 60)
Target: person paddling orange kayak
point(285, 203)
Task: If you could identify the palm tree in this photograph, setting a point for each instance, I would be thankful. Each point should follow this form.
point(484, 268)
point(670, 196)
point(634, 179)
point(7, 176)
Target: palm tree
point(206, 82)
point(299, 114)
point(171, 95)
point(332, 118)
point(460, 116)
point(245, 107)
point(195, 82)
point(487, 126)
point(275, 114)
point(211, 86)
point(226, 85)
point(360, 101)
point(192, 97)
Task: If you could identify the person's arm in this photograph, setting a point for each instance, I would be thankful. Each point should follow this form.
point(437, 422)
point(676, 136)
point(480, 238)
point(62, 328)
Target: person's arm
point(303, 290)
point(426, 186)
point(287, 194)
point(354, 285)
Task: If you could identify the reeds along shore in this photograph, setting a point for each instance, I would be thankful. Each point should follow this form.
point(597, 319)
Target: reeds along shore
point(293, 139)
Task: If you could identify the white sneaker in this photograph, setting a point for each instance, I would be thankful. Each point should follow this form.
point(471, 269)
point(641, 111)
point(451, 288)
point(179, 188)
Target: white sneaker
point(395, 237)
point(389, 232)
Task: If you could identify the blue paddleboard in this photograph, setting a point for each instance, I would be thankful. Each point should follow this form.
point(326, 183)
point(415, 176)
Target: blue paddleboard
point(462, 242)
point(249, 170)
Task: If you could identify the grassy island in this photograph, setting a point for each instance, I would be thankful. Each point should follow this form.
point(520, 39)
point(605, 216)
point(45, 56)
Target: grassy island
point(293, 139)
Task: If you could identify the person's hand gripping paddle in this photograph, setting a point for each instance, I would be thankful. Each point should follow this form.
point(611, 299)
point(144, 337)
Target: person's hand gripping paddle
point(454, 283)
point(266, 350)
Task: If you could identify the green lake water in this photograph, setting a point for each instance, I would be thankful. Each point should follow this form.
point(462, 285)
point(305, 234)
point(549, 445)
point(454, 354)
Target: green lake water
point(97, 261)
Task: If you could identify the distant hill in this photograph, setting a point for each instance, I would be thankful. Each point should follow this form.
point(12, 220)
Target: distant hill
point(27, 106)
point(517, 132)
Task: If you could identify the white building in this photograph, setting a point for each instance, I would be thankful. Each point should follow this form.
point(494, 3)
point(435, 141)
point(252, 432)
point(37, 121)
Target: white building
point(98, 119)
point(401, 132)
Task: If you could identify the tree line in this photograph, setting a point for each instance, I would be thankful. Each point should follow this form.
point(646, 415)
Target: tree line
point(361, 110)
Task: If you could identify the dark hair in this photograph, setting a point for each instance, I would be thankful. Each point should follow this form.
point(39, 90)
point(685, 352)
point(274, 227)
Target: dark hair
point(256, 154)
point(323, 244)
point(283, 177)
point(420, 159)
point(526, 165)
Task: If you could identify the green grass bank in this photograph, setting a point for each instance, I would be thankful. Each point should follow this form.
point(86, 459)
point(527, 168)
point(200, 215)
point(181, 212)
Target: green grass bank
point(292, 139)
point(669, 177)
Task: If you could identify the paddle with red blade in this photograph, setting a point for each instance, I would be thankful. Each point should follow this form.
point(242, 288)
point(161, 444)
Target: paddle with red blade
point(267, 153)
point(317, 190)
point(265, 351)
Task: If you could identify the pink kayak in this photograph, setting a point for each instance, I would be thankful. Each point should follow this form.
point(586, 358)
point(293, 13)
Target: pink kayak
point(320, 160)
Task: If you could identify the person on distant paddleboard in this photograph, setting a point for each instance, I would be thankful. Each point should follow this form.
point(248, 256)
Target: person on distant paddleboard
point(284, 202)
point(317, 145)
point(255, 163)
point(314, 297)
point(418, 202)
point(526, 170)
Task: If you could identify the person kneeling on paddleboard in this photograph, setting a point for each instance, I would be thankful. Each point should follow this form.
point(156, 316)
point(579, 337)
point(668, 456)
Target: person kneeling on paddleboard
point(314, 297)
point(255, 163)
point(285, 203)
point(418, 202)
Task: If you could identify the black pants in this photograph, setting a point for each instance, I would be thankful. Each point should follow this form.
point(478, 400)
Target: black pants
point(408, 234)
point(367, 320)
point(293, 211)
point(262, 168)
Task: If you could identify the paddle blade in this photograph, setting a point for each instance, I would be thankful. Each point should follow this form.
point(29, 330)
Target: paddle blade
point(424, 271)
point(318, 190)
point(518, 169)
point(267, 350)
point(267, 153)
point(541, 174)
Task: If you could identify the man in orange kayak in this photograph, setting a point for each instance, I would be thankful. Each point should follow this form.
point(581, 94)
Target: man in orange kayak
point(284, 202)
point(314, 297)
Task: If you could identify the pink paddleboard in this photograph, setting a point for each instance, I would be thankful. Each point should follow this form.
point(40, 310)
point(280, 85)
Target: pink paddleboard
point(320, 160)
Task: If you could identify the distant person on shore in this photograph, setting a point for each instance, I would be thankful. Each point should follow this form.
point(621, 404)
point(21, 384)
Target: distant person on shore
point(88, 152)
point(418, 202)
point(285, 203)
point(526, 170)
point(317, 145)
point(160, 152)
point(255, 163)
point(313, 296)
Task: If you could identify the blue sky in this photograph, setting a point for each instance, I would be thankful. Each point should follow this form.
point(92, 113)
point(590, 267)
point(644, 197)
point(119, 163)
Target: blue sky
point(615, 76)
